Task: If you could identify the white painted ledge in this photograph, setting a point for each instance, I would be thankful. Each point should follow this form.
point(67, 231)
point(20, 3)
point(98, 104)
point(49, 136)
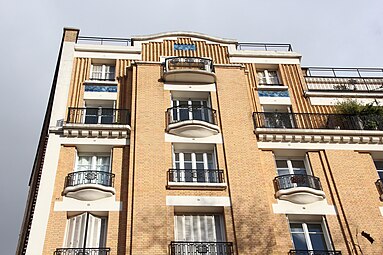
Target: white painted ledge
point(197, 201)
point(196, 185)
point(101, 205)
point(317, 208)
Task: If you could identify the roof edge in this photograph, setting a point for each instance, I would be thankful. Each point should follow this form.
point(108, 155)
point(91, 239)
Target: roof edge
point(183, 33)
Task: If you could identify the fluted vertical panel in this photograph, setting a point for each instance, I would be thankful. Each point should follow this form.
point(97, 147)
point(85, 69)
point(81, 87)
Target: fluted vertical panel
point(153, 50)
point(80, 73)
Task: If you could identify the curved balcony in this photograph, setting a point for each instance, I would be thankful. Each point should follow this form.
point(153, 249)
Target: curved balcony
point(189, 69)
point(379, 186)
point(89, 185)
point(196, 248)
point(298, 188)
point(82, 251)
point(196, 178)
point(191, 121)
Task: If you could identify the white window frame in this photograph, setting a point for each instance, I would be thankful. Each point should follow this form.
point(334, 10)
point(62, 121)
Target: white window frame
point(290, 166)
point(268, 77)
point(94, 160)
point(103, 71)
point(194, 162)
point(216, 217)
point(190, 104)
point(306, 232)
point(93, 104)
point(70, 229)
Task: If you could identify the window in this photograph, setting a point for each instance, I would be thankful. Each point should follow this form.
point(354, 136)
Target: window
point(102, 72)
point(268, 77)
point(199, 228)
point(192, 110)
point(89, 225)
point(291, 166)
point(99, 115)
point(100, 112)
point(309, 236)
point(379, 168)
point(278, 117)
point(195, 166)
point(93, 162)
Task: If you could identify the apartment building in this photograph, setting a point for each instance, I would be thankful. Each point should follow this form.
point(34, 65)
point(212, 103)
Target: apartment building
point(183, 143)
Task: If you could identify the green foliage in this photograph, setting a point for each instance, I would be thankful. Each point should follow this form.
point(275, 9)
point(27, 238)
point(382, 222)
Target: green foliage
point(355, 108)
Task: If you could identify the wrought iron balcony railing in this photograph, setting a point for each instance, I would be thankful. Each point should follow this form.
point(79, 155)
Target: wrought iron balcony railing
point(379, 186)
point(188, 112)
point(98, 116)
point(317, 121)
point(314, 252)
point(196, 175)
point(104, 40)
point(188, 63)
point(89, 177)
point(344, 79)
point(289, 181)
point(198, 248)
point(265, 46)
point(82, 251)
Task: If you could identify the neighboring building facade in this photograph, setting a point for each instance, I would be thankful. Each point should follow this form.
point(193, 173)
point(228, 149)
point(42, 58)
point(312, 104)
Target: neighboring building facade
point(183, 143)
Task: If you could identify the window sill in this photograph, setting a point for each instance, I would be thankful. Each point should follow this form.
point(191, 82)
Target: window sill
point(196, 185)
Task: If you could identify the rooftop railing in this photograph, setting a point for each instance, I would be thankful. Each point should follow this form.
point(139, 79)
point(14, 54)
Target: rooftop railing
point(100, 115)
point(82, 251)
point(344, 79)
point(104, 40)
point(317, 121)
point(196, 175)
point(289, 181)
point(265, 46)
point(89, 177)
point(197, 248)
point(314, 252)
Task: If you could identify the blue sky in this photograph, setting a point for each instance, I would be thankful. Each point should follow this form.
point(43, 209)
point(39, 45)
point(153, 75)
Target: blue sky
point(327, 33)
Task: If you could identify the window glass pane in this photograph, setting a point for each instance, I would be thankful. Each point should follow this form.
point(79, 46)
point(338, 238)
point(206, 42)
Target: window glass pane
point(299, 241)
point(91, 115)
point(84, 163)
point(261, 77)
point(281, 163)
point(199, 157)
point(187, 157)
point(318, 242)
point(103, 163)
point(296, 228)
point(379, 165)
point(317, 228)
point(210, 162)
point(273, 77)
point(298, 167)
point(282, 167)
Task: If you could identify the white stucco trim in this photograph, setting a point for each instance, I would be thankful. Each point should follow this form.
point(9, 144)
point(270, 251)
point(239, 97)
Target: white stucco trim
point(217, 139)
point(316, 208)
point(264, 60)
point(319, 146)
point(197, 201)
point(94, 141)
point(353, 95)
point(44, 196)
point(100, 205)
point(381, 210)
point(275, 100)
point(100, 95)
point(63, 83)
point(188, 87)
point(335, 100)
point(43, 202)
